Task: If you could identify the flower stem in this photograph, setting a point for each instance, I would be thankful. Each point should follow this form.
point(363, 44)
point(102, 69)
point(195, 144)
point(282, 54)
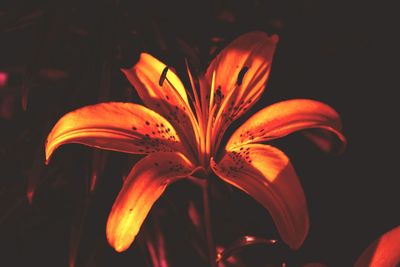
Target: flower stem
point(207, 219)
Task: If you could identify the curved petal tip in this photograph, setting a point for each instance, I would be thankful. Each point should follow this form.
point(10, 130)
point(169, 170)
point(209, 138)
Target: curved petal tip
point(141, 189)
point(266, 174)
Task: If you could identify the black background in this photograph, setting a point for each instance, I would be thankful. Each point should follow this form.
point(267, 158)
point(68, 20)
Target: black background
point(61, 55)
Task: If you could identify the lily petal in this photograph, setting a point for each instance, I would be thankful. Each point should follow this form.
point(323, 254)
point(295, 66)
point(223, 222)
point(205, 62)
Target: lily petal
point(286, 117)
point(241, 73)
point(123, 127)
point(161, 90)
point(383, 252)
point(266, 174)
point(144, 185)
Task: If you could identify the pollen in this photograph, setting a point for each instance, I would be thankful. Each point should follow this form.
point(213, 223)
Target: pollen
point(163, 76)
point(241, 75)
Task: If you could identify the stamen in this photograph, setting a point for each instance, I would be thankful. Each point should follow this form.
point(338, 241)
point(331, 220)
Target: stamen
point(229, 99)
point(210, 118)
point(209, 132)
point(200, 116)
point(196, 101)
point(241, 75)
point(196, 97)
point(212, 92)
point(163, 76)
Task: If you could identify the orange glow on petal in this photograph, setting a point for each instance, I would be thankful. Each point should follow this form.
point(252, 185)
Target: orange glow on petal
point(243, 67)
point(162, 91)
point(266, 174)
point(152, 68)
point(383, 252)
point(286, 117)
point(144, 185)
point(253, 51)
point(122, 127)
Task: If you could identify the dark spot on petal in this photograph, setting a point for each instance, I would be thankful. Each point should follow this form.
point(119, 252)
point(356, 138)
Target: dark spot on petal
point(218, 95)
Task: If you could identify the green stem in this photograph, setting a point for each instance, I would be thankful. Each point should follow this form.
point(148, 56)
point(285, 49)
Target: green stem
point(207, 219)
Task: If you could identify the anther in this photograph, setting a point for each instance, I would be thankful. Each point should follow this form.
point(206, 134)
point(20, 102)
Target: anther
point(241, 75)
point(163, 76)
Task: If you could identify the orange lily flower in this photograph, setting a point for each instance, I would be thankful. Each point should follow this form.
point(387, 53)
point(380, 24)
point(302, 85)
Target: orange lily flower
point(182, 133)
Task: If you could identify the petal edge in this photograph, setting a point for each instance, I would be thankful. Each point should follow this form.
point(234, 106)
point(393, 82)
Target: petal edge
point(144, 185)
point(266, 174)
point(123, 127)
point(285, 117)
